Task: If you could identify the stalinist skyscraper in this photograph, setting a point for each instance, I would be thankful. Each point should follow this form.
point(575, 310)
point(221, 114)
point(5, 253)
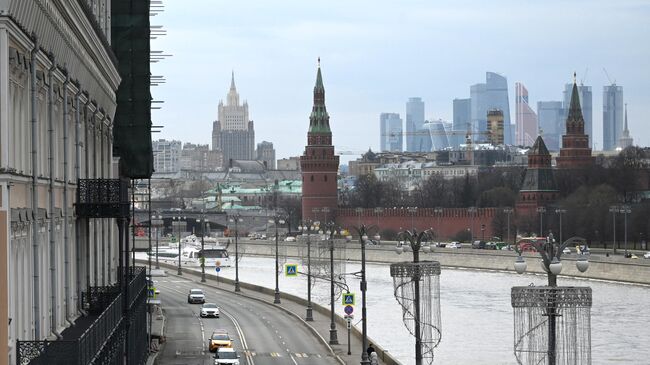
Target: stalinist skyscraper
point(233, 132)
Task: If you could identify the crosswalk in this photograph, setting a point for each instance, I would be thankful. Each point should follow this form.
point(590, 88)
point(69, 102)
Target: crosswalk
point(278, 354)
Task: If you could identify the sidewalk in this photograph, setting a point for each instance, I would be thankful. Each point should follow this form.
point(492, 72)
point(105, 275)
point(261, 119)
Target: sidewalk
point(297, 307)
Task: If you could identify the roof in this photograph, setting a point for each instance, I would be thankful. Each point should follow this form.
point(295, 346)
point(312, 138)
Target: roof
point(539, 148)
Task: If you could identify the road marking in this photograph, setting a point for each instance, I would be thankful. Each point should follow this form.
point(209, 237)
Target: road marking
point(202, 335)
point(292, 359)
point(240, 332)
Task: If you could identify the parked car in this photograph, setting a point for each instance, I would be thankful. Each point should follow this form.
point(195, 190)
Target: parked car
point(196, 296)
point(646, 255)
point(226, 356)
point(478, 244)
point(441, 244)
point(454, 245)
point(219, 339)
point(209, 310)
point(290, 239)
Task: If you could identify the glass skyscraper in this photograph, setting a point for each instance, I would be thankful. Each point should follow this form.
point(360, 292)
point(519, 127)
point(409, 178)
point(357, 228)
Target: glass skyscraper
point(417, 136)
point(391, 132)
point(551, 120)
point(493, 94)
point(612, 116)
point(462, 114)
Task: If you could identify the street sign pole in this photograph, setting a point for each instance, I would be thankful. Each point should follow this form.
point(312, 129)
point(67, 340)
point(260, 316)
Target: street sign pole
point(349, 326)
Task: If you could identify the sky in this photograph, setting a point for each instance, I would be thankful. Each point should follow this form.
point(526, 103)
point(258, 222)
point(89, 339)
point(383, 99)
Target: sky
point(375, 54)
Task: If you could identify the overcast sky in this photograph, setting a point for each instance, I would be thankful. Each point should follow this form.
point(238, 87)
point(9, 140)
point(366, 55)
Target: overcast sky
point(376, 54)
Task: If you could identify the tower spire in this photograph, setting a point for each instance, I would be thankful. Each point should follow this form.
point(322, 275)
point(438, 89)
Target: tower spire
point(232, 81)
point(625, 130)
point(319, 120)
point(575, 122)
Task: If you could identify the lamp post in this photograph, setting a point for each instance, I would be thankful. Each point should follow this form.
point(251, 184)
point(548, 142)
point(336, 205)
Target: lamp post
point(625, 209)
point(614, 209)
point(180, 255)
point(362, 231)
point(157, 222)
point(508, 211)
point(412, 211)
point(277, 219)
point(415, 239)
point(438, 212)
point(307, 227)
point(202, 256)
point(472, 211)
point(359, 211)
point(560, 212)
point(551, 251)
point(378, 211)
point(541, 211)
point(331, 230)
point(236, 219)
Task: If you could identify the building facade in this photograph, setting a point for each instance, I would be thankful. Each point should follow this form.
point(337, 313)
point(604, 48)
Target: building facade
point(439, 140)
point(58, 83)
point(417, 136)
point(319, 164)
point(289, 164)
point(199, 157)
point(234, 133)
point(612, 116)
point(462, 114)
point(493, 94)
point(550, 115)
point(495, 127)
point(166, 155)
point(575, 152)
point(391, 132)
point(266, 154)
point(525, 118)
point(586, 103)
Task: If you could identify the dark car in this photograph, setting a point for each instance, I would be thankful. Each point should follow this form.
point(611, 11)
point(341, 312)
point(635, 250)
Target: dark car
point(478, 244)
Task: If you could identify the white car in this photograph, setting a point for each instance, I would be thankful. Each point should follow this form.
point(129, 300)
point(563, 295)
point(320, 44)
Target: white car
point(227, 356)
point(454, 245)
point(196, 296)
point(209, 310)
point(646, 255)
point(566, 251)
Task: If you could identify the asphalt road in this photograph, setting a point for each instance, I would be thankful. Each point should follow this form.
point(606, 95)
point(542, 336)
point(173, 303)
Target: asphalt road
point(262, 334)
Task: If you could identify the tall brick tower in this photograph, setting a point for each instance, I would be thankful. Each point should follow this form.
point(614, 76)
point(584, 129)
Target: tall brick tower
point(319, 165)
point(539, 188)
point(575, 152)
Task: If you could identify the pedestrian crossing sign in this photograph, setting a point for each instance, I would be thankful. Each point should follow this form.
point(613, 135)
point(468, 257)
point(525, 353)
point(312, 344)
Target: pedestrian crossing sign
point(151, 292)
point(348, 299)
point(291, 270)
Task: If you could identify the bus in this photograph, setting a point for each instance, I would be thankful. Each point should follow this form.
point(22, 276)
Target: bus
point(191, 256)
point(525, 244)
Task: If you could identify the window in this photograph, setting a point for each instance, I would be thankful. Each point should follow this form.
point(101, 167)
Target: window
point(312, 178)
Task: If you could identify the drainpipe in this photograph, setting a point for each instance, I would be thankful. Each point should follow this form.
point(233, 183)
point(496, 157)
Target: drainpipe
point(86, 219)
point(95, 240)
point(66, 238)
point(103, 220)
point(77, 172)
point(36, 309)
point(50, 133)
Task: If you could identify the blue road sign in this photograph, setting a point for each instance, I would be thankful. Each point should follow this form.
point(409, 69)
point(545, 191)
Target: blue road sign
point(348, 309)
point(291, 270)
point(347, 299)
point(218, 268)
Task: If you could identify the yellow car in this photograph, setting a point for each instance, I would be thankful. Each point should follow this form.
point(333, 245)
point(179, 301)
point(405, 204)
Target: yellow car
point(219, 338)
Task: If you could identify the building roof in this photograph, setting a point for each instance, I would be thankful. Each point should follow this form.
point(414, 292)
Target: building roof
point(539, 148)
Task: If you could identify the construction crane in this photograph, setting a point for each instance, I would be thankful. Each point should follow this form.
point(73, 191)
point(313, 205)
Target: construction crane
point(609, 78)
point(584, 77)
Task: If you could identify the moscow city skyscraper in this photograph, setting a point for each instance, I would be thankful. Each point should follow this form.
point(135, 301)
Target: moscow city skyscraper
point(390, 132)
point(493, 94)
point(550, 119)
point(612, 116)
point(525, 117)
point(417, 135)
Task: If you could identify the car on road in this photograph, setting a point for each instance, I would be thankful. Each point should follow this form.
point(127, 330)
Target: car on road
point(290, 239)
point(566, 251)
point(646, 255)
point(196, 296)
point(219, 339)
point(454, 245)
point(226, 356)
point(209, 310)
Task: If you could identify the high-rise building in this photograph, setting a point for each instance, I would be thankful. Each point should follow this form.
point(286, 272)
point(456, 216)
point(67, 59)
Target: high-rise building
point(495, 127)
point(266, 153)
point(417, 136)
point(166, 155)
point(493, 94)
point(584, 92)
point(612, 116)
point(525, 117)
point(439, 140)
point(625, 140)
point(550, 116)
point(319, 164)
point(391, 132)
point(462, 114)
point(233, 133)
point(575, 152)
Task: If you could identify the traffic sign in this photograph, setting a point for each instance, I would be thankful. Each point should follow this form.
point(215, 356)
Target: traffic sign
point(218, 268)
point(151, 292)
point(291, 270)
point(347, 299)
point(349, 321)
point(348, 309)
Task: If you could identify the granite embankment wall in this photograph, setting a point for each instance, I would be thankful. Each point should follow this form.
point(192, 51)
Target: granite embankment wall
point(600, 266)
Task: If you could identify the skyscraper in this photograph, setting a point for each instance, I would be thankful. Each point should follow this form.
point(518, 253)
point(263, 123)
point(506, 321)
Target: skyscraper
point(584, 92)
point(550, 115)
point(417, 136)
point(390, 132)
point(495, 126)
point(612, 116)
point(233, 132)
point(491, 95)
point(525, 117)
point(438, 133)
point(462, 114)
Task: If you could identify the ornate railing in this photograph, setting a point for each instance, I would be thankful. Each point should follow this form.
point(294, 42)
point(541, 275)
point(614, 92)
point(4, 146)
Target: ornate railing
point(102, 198)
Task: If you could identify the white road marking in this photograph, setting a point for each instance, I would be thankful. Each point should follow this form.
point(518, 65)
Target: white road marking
point(292, 359)
point(202, 336)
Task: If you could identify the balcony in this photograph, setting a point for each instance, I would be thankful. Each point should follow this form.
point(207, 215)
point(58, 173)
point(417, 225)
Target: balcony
point(100, 337)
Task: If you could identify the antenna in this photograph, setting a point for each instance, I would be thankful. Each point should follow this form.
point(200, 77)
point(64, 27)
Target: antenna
point(609, 78)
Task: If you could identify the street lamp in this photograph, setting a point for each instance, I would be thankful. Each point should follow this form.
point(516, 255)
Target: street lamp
point(362, 231)
point(438, 212)
point(541, 211)
point(157, 222)
point(277, 219)
point(307, 227)
point(331, 231)
point(407, 275)
point(552, 300)
point(180, 255)
point(472, 211)
point(378, 211)
point(508, 211)
point(236, 219)
point(560, 212)
point(625, 209)
point(614, 209)
point(202, 221)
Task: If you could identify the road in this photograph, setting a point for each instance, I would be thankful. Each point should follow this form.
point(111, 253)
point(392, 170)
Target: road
point(263, 334)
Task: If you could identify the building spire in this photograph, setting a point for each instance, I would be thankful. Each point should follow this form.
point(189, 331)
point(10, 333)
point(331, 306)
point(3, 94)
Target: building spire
point(575, 122)
point(232, 81)
point(319, 119)
point(625, 130)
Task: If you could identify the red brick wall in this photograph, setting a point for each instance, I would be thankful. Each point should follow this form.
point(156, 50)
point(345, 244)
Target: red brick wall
point(446, 224)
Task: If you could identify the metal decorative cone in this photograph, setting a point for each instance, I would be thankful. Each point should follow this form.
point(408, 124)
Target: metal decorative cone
point(566, 309)
point(427, 275)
